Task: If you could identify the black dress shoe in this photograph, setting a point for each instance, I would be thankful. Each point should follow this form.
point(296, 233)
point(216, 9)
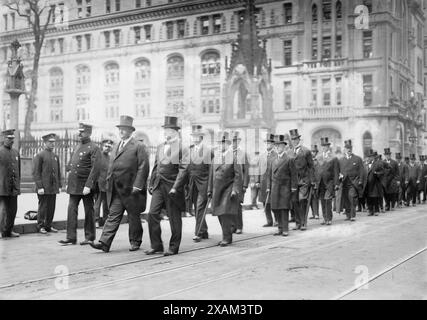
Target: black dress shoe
point(224, 243)
point(296, 228)
point(153, 251)
point(285, 234)
point(267, 225)
point(134, 247)
point(86, 242)
point(99, 246)
point(67, 242)
point(204, 236)
point(53, 230)
point(14, 235)
point(303, 228)
point(197, 239)
point(239, 231)
point(170, 253)
point(278, 233)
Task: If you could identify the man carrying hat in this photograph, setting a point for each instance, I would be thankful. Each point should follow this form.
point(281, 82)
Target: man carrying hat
point(403, 179)
point(328, 179)
point(266, 160)
point(225, 184)
point(126, 187)
point(390, 180)
point(198, 170)
point(413, 181)
point(374, 187)
point(101, 196)
point(167, 182)
point(10, 177)
point(281, 182)
point(306, 180)
point(351, 175)
point(47, 177)
point(83, 174)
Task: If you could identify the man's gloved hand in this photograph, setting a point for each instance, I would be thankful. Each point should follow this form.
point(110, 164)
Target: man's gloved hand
point(172, 193)
point(86, 191)
point(40, 191)
point(233, 194)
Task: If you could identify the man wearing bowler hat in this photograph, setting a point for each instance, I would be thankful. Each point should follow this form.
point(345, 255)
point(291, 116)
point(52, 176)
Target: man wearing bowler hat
point(126, 187)
point(391, 181)
point(225, 184)
point(101, 197)
point(265, 163)
point(201, 156)
point(328, 179)
point(167, 182)
point(83, 171)
point(47, 177)
point(306, 180)
point(413, 181)
point(281, 182)
point(351, 175)
point(403, 179)
point(10, 177)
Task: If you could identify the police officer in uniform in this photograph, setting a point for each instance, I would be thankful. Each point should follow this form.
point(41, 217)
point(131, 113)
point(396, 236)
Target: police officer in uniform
point(225, 184)
point(281, 182)
point(391, 181)
point(306, 180)
point(10, 177)
point(351, 175)
point(47, 177)
point(198, 177)
point(83, 175)
point(167, 182)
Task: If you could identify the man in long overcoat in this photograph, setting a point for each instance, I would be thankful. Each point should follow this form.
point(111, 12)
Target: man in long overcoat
point(126, 187)
point(403, 179)
point(390, 180)
point(168, 178)
point(281, 182)
point(47, 177)
point(225, 184)
point(414, 179)
point(422, 183)
point(374, 187)
point(314, 205)
point(83, 171)
point(328, 179)
point(265, 165)
point(10, 179)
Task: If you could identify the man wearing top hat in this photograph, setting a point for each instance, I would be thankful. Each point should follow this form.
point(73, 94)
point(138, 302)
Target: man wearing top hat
point(101, 196)
point(126, 187)
point(351, 175)
point(281, 182)
point(47, 177)
point(198, 169)
point(83, 171)
point(374, 187)
point(328, 179)
point(390, 180)
point(243, 160)
point(10, 179)
point(265, 163)
point(306, 180)
point(424, 176)
point(225, 184)
point(413, 181)
point(314, 205)
point(422, 181)
point(403, 179)
point(167, 182)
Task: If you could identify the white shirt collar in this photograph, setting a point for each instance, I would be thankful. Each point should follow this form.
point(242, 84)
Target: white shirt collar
point(124, 142)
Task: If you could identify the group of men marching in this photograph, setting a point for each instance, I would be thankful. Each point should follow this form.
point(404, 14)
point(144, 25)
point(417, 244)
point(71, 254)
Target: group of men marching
point(291, 180)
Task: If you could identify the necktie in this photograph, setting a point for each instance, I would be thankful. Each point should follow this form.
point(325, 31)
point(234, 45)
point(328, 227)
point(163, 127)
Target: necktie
point(122, 145)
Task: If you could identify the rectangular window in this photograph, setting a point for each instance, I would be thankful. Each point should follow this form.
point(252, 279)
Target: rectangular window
point(117, 5)
point(142, 103)
point(138, 3)
point(107, 6)
point(88, 38)
point(148, 3)
point(5, 22)
point(287, 48)
point(52, 15)
point(56, 109)
point(181, 29)
point(314, 92)
point(79, 43)
point(314, 49)
point(326, 47)
point(288, 94)
point(112, 105)
point(210, 98)
point(205, 25)
point(367, 90)
point(338, 90)
point(52, 46)
point(175, 100)
point(61, 45)
point(88, 8)
point(147, 29)
point(61, 12)
point(217, 23)
point(420, 70)
point(288, 12)
point(367, 44)
point(338, 46)
point(137, 31)
point(326, 89)
point(169, 30)
point(107, 38)
point(12, 17)
point(116, 38)
point(327, 10)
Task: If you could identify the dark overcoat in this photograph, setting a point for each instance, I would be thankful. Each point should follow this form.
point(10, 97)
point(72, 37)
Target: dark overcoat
point(328, 173)
point(403, 172)
point(353, 170)
point(391, 177)
point(414, 174)
point(243, 160)
point(265, 162)
point(47, 172)
point(281, 181)
point(198, 170)
point(129, 168)
point(103, 171)
point(83, 168)
point(422, 177)
point(225, 177)
point(10, 172)
point(304, 165)
point(374, 187)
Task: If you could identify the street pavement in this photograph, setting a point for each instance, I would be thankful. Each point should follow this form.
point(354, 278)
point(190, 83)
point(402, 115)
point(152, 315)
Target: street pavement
point(324, 262)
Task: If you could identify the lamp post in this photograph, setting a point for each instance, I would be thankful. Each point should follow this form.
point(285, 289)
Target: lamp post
point(15, 86)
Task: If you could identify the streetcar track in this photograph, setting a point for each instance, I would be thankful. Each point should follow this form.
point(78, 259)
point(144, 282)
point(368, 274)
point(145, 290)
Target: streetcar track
point(171, 269)
point(221, 256)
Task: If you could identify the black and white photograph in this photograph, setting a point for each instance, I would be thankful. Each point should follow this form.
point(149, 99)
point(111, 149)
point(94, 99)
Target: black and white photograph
point(225, 152)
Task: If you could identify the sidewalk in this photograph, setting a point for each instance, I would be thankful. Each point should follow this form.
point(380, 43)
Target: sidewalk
point(29, 201)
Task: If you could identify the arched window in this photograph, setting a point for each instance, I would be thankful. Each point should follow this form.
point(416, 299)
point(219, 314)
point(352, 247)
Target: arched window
point(338, 7)
point(56, 78)
point(112, 74)
point(211, 65)
point(175, 67)
point(314, 12)
point(142, 70)
point(82, 77)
